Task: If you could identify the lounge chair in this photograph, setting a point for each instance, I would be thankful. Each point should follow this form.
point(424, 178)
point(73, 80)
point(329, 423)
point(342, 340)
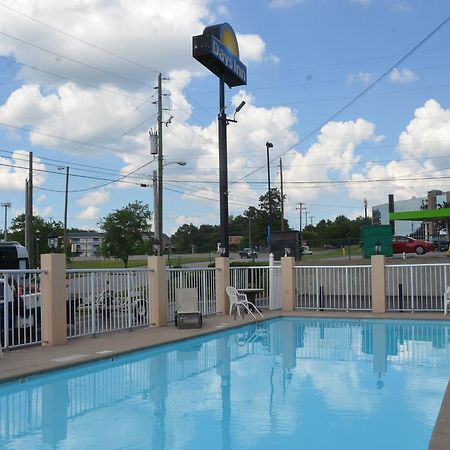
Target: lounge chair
point(187, 313)
point(447, 300)
point(238, 300)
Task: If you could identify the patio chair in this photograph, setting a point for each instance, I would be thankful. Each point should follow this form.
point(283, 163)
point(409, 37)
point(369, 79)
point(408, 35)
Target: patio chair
point(447, 300)
point(237, 300)
point(187, 313)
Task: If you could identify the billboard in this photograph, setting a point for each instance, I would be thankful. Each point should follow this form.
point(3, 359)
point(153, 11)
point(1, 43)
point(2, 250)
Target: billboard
point(217, 49)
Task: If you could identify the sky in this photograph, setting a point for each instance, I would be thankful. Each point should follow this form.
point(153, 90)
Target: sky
point(77, 88)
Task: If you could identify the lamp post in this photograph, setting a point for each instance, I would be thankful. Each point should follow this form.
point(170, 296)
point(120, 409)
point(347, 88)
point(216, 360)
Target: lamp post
point(52, 241)
point(269, 225)
point(37, 239)
point(6, 205)
point(378, 248)
point(159, 241)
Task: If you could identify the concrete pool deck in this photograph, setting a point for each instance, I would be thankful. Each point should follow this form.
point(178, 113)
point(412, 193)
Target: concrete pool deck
point(17, 364)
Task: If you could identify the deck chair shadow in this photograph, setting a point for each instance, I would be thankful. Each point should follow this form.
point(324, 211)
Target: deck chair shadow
point(447, 300)
point(238, 300)
point(187, 313)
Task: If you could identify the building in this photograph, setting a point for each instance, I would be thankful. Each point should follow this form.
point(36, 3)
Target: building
point(418, 229)
point(85, 243)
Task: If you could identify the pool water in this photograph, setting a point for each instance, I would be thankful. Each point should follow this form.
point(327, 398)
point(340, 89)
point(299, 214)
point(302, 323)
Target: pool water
point(284, 384)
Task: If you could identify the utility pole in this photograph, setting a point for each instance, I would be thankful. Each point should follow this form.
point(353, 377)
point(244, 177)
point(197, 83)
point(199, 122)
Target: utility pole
point(155, 212)
point(269, 226)
point(65, 211)
point(282, 195)
point(365, 208)
point(160, 169)
point(300, 209)
point(29, 209)
point(306, 217)
point(6, 205)
point(311, 218)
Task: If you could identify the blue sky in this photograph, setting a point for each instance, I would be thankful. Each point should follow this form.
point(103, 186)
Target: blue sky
point(76, 89)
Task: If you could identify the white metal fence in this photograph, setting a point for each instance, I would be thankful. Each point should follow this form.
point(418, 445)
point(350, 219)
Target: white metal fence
point(20, 307)
point(256, 277)
point(334, 287)
point(203, 279)
point(106, 300)
point(416, 287)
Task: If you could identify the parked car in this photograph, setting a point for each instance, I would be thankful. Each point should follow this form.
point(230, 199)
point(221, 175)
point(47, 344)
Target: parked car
point(306, 250)
point(248, 253)
point(405, 244)
point(442, 246)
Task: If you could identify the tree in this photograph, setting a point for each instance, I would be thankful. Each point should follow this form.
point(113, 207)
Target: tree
point(125, 231)
point(42, 228)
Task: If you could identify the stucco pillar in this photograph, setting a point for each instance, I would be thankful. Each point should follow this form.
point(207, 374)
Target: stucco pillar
point(378, 284)
point(157, 290)
point(53, 300)
point(288, 302)
point(222, 281)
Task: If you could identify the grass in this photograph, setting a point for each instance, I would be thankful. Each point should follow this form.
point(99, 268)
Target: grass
point(175, 260)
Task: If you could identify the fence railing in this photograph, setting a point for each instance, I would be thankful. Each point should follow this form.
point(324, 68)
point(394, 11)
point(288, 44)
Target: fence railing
point(252, 277)
point(203, 279)
point(334, 287)
point(106, 300)
point(20, 307)
point(416, 287)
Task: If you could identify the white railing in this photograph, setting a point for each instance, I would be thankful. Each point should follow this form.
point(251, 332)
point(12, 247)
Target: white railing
point(346, 288)
point(106, 300)
point(256, 277)
point(20, 307)
point(416, 287)
point(203, 279)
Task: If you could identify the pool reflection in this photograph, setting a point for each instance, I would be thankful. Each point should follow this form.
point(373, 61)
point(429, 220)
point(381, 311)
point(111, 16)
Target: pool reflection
point(239, 389)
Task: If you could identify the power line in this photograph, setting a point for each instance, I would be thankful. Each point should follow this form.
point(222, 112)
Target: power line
point(59, 55)
point(109, 91)
point(357, 97)
point(109, 52)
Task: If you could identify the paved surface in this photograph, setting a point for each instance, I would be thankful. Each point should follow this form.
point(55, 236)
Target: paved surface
point(21, 363)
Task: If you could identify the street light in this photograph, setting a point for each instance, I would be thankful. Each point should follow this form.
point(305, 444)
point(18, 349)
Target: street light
point(6, 205)
point(158, 206)
point(269, 226)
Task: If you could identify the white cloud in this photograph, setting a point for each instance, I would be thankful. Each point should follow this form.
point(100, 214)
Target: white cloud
point(421, 146)
point(285, 3)
point(402, 76)
point(333, 155)
point(251, 47)
point(360, 77)
point(91, 212)
point(94, 198)
point(14, 171)
point(428, 134)
point(361, 2)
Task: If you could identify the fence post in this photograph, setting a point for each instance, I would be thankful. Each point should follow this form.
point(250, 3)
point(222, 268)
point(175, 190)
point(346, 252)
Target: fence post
point(157, 281)
point(53, 300)
point(222, 281)
point(378, 283)
point(288, 302)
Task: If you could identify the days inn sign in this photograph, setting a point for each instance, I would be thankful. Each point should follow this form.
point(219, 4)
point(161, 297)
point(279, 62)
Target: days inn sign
point(217, 49)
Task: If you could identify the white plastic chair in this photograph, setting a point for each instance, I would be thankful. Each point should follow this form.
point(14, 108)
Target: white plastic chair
point(447, 300)
point(237, 300)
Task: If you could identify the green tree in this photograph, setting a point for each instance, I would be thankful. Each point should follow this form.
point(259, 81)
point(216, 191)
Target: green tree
point(126, 230)
point(42, 228)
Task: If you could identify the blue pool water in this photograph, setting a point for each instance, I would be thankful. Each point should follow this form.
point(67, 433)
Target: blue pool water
point(285, 384)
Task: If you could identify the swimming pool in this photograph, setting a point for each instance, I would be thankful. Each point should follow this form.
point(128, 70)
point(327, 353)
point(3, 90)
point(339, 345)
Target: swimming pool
point(287, 383)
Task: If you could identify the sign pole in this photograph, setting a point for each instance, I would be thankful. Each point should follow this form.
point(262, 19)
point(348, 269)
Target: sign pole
point(223, 171)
